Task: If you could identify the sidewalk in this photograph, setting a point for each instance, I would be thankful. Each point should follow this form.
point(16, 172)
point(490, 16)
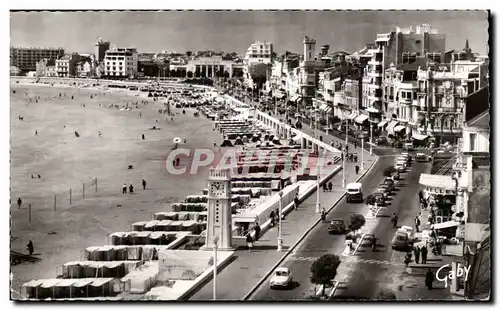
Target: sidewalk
point(240, 276)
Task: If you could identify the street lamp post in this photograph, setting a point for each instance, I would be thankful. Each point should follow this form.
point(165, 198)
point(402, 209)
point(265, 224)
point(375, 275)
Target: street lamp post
point(216, 241)
point(280, 235)
point(371, 138)
point(345, 155)
point(362, 153)
point(318, 206)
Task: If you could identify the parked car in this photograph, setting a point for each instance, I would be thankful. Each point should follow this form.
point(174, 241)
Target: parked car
point(386, 188)
point(380, 198)
point(396, 175)
point(337, 226)
point(282, 278)
point(400, 167)
point(422, 158)
point(389, 181)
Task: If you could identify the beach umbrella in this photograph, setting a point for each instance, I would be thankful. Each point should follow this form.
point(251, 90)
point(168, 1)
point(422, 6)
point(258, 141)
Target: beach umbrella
point(177, 140)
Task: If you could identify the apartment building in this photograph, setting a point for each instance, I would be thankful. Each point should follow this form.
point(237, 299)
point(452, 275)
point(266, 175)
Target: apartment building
point(260, 54)
point(66, 65)
point(121, 63)
point(26, 58)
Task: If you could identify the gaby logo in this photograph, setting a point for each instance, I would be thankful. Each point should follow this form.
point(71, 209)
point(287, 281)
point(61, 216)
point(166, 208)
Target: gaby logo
point(461, 271)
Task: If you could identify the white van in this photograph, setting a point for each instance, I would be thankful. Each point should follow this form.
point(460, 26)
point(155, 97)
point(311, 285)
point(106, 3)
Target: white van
point(354, 192)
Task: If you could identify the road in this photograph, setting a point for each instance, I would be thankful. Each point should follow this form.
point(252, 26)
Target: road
point(319, 242)
point(383, 268)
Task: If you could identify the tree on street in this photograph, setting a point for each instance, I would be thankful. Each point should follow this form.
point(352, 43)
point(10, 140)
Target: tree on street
point(389, 171)
point(370, 200)
point(324, 269)
point(356, 221)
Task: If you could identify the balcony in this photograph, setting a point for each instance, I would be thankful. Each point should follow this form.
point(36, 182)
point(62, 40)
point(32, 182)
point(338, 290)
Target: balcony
point(444, 110)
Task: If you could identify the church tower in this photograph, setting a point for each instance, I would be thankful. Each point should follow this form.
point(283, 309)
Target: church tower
point(219, 219)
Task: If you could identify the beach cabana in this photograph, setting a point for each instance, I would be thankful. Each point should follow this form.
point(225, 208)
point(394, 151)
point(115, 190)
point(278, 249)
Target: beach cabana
point(30, 289)
point(226, 143)
point(101, 287)
point(138, 226)
point(151, 225)
point(238, 141)
point(63, 288)
point(163, 225)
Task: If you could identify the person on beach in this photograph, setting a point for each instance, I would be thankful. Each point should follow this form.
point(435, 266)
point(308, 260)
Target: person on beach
point(99, 133)
point(19, 202)
point(30, 247)
point(131, 189)
point(143, 137)
point(143, 184)
point(124, 188)
point(36, 132)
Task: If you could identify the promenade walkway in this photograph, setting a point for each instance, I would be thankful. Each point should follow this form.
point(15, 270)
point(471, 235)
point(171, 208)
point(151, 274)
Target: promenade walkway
point(240, 276)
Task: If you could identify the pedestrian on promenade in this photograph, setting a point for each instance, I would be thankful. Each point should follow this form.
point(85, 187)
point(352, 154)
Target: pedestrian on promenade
point(249, 242)
point(330, 186)
point(416, 252)
point(357, 169)
point(295, 202)
point(323, 214)
point(325, 187)
point(124, 188)
point(417, 224)
point(394, 220)
point(131, 189)
point(347, 148)
point(271, 218)
point(143, 184)
point(355, 144)
point(424, 254)
point(19, 202)
point(429, 278)
point(342, 156)
point(257, 231)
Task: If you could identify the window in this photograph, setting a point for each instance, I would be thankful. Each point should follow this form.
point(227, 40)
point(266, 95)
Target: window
point(417, 42)
point(472, 142)
point(403, 94)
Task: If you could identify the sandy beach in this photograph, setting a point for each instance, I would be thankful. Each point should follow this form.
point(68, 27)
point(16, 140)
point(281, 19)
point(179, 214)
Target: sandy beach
point(65, 161)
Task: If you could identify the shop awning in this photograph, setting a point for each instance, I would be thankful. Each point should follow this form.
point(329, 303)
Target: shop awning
point(437, 184)
point(352, 116)
point(390, 127)
point(382, 124)
point(446, 224)
point(295, 98)
point(361, 118)
point(325, 107)
point(419, 137)
point(372, 110)
point(399, 128)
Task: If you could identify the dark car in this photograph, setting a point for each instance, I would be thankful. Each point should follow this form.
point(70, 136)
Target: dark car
point(388, 188)
point(337, 226)
point(380, 198)
point(389, 181)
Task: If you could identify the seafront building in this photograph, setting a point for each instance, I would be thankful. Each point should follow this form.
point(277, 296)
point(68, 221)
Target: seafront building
point(101, 47)
point(66, 65)
point(120, 63)
point(25, 58)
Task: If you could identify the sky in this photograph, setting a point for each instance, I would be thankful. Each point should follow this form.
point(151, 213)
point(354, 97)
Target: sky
point(234, 31)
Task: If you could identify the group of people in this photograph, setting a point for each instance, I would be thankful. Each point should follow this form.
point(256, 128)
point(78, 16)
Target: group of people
point(327, 187)
point(131, 187)
point(249, 239)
